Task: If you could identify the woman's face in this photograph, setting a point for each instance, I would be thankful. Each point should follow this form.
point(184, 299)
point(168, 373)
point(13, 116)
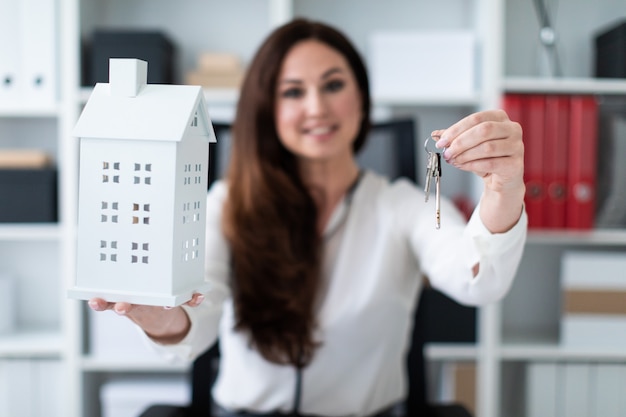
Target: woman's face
point(318, 103)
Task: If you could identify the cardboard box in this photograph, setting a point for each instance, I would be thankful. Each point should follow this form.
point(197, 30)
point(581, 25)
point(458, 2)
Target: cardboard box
point(593, 299)
point(153, 47)
point(28, 195)
point(410, 65)
point(117, 338)
point(130, 397)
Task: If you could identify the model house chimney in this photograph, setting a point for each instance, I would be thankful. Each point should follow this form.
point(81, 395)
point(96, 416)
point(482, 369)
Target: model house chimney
point(127, 76)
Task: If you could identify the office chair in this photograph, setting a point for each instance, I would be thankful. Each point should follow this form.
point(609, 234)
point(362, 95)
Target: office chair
point(390, 149)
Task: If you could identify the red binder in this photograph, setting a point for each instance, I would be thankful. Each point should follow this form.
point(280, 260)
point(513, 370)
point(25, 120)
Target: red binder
point(516, 107)
point(556, 137)
point(513, 105)
point(534, 127)
point(581, 185)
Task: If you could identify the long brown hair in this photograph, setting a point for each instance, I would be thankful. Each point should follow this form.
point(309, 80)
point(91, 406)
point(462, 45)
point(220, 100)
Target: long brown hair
point(269, 217)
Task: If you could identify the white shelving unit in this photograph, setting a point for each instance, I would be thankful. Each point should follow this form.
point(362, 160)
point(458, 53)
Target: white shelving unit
point(520, 330)
point(528, 319)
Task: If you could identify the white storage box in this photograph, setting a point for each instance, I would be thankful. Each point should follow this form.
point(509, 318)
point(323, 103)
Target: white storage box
point(115, 337)
point(129, 397)
point(594, 299)
point(7, 304)
point(428, 65)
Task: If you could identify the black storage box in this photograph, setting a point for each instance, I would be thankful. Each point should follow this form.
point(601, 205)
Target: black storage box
point(610, 50)
point(28, 195)
point(151, 46)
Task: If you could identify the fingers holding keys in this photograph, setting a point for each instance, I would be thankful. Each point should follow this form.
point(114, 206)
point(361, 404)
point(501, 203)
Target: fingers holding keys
point(487, 143)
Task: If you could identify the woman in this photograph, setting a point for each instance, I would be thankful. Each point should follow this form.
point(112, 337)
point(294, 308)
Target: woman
point(315, 264)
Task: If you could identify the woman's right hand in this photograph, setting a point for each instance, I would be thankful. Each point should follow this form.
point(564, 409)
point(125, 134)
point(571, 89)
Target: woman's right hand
point(162, 324)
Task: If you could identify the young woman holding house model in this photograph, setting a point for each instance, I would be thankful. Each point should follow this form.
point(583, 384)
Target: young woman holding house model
point(315, 264)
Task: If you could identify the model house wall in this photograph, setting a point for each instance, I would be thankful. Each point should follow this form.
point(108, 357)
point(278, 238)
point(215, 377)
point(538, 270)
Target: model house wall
point(142, 189)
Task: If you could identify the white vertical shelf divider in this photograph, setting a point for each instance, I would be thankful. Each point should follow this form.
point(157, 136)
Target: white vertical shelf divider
point(69, 64)
point(489, 21)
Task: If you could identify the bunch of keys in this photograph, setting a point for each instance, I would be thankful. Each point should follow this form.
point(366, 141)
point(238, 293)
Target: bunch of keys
point(433, 170)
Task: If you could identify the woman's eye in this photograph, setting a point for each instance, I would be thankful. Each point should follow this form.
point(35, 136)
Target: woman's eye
point(334, 85)
point(291, 93)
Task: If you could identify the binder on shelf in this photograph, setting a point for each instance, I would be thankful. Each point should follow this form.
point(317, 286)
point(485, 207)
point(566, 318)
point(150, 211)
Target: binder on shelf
point(555, 168)
point(9, 51)
point(514, 106)
point(38, 51)
point(577, 387)
point(49, 388)
point(542, 382)
point(608, 390)
point(517, 107)
point(534, 127)
point(16, 387)
point(581, 188)
point(611, 179)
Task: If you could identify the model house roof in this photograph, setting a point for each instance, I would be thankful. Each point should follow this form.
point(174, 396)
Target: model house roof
point(128, 108)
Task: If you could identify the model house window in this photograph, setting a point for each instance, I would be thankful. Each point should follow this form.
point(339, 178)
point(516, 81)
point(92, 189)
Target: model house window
point(108, 250)
point(141, 173)
point(106, 166)
point(136, 256)
point(190, 249)
point(109, 211)
point(144, 218)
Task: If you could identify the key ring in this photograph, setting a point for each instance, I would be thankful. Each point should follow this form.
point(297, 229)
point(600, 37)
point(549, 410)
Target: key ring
point(434, 148)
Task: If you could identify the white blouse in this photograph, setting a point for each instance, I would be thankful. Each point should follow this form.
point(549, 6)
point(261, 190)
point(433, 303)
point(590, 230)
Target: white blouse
point(377, 247)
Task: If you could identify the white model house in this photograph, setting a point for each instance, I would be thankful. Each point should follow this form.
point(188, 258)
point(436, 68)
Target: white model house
point(142, 191)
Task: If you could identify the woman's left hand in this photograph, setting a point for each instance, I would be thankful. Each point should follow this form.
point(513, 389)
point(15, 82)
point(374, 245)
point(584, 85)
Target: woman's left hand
point(489, 144)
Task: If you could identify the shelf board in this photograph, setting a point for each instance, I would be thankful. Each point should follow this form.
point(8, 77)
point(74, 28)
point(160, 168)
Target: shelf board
point(29, 231)
point(95, 364)
point(549, 351)
point(437, 100)
point(451, 351)
point(29, 110)
point(596, 237)
point(600, 86)
point(31, 343)
point(229, 97)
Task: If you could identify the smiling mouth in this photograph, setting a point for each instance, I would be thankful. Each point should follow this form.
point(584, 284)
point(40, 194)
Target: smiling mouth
point(321, 130)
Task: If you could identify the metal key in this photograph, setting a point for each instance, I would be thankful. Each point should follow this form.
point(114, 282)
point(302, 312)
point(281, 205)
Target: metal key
point(433, 170)
point(430, 167)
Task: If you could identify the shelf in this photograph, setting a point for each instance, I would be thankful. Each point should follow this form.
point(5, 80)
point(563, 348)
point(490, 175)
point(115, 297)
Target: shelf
point(565, 85)
point(560, 353)
point(31, 343)
point(444, 101)
point(229, 97)
point(597, 237)
point(451, 351)
point(94, 364)
point(29, 231)
point(29, 110)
